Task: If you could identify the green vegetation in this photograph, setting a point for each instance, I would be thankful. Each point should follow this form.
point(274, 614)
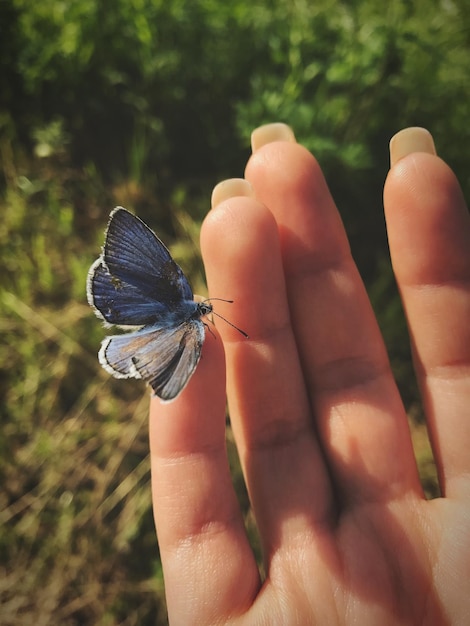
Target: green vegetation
point(147, 104)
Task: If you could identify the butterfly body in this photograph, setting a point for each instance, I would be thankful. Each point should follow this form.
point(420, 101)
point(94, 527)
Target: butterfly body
point(136, 283)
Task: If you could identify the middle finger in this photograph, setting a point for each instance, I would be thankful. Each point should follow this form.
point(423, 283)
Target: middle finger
point(360, 417)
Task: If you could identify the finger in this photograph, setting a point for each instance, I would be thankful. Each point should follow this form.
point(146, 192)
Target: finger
point(429, 231)
point(360, 417)
point(269, 407)
point(195, 508)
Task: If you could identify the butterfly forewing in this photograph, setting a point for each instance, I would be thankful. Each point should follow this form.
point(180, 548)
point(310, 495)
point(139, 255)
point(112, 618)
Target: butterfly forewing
point(120, 303)
point(136, 256)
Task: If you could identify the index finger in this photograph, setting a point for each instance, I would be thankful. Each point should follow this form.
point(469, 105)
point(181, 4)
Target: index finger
point(197, 515)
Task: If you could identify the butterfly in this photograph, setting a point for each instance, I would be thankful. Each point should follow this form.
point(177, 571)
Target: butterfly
point(136, 283)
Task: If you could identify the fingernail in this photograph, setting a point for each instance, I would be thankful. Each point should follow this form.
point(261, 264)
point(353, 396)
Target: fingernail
point(410, 140)
point(269, 133)
point(231, 188)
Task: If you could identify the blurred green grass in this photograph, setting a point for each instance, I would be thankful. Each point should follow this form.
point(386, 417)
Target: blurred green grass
point(75, 505)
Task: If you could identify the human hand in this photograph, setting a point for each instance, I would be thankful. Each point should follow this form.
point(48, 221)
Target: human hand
point(323, 438)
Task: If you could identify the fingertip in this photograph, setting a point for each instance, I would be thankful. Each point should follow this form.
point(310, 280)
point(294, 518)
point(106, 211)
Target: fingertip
point(269, 133)
point(286, 174)
point(415, 168)
point(427, 221)
point(288, 157)
point(228, 231)
point(409, 141)
point(230, 188)
point(422, 177)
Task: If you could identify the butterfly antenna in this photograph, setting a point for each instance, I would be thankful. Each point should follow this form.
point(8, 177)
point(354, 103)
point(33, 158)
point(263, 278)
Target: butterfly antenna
point(218, 299)
point(242, 332)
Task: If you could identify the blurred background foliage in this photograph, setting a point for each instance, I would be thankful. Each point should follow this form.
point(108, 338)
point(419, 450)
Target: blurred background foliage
point(147, 104)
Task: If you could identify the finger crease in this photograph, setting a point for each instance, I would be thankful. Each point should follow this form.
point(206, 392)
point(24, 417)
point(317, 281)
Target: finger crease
point(349, 373)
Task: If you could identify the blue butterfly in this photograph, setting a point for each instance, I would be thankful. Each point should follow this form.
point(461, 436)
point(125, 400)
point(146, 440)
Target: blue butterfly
point(136, 283)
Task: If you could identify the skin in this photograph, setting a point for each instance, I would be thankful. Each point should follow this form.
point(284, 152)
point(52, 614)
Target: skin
point(321, 431)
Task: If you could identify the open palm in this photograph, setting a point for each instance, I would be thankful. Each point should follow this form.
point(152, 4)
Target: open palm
point(322, 435)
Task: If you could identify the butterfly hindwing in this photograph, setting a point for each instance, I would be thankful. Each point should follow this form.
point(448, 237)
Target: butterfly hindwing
point(165, 358)
point(168, 383)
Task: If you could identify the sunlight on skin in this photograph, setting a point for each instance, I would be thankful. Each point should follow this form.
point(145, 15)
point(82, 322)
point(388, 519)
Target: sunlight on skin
point(322, 435)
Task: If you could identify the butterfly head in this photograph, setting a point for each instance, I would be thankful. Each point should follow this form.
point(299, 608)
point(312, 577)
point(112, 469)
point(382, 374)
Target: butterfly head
point(204, 308)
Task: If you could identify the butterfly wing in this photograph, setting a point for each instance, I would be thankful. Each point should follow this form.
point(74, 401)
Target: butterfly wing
point(121, 303)
point(135, 256)
point(135, 282)
point(164, 357)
